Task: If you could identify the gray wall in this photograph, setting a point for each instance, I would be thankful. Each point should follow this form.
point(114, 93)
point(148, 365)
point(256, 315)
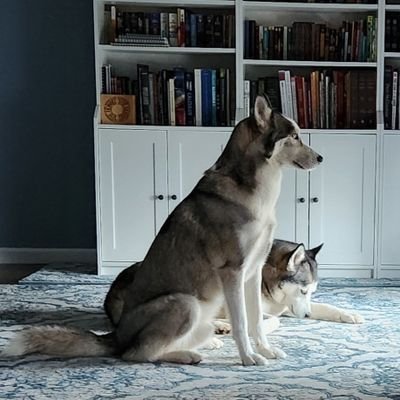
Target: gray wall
point(46, 138)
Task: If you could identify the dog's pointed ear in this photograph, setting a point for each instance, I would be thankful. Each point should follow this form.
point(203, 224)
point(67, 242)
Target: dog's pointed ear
point(296, 257)
point(262, 112)
point(313, 252)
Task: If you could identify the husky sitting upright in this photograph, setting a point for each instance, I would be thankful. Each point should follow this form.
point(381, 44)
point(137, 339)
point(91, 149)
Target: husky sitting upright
point(210, 249)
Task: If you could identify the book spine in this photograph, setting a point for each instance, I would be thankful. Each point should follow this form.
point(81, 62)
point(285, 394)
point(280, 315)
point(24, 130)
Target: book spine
point(193, 30)
point(171, 101)
point(164, 29)
point(282, 90)
point(394, 98)
point(206, 97)
point(289, 95)
point(189, 96)
point(246, 98)
point(180, 114)
point(198, 96)
point(181, 27)
point(387, 109)
point(294, 98)
point(213, 97)
point(152, 111)
point(172, 29)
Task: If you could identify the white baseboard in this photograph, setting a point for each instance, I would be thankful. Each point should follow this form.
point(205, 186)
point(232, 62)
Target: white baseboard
point(46, 256)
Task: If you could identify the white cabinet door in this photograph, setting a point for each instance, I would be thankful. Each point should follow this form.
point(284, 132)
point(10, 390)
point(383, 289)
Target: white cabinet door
point(190, 153)
point(342, 199)
point(132, 173)
point(390, 238)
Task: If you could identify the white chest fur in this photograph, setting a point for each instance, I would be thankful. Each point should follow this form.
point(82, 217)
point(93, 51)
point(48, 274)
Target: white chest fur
point(256, 234)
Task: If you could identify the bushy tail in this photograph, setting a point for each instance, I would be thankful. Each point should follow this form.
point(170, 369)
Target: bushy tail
point(60, 341)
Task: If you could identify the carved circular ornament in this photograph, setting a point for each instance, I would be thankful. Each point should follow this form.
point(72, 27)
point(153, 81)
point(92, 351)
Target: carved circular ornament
point(116, 109)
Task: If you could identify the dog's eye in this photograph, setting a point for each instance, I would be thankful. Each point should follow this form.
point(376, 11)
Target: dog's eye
point(295, 136)
point(304, 292)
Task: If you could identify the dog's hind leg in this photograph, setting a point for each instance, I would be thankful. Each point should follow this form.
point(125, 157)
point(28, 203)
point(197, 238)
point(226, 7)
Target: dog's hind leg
point(159, 330)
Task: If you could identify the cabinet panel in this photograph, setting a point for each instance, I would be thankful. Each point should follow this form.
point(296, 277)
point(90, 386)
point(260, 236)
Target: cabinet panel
point(390, 238)
point(130, 180)
point(190, 153)
point(344, 186)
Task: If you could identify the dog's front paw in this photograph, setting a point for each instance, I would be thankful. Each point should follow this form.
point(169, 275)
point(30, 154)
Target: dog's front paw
point(271, 352)
point(214, 343)
point(351, 318)
point(254, 359)
point(222, 327)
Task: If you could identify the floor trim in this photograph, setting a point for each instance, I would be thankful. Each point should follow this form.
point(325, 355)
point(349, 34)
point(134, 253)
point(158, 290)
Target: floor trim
point(10, 255)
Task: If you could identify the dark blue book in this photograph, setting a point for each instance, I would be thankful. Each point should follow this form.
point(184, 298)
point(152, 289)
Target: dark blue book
point(206, 101)
point(213, 97)
point(189, 97)
point(155, 24)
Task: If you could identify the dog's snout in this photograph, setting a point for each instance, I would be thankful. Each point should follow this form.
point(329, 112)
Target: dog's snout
point(307, 315)
point(320, 158)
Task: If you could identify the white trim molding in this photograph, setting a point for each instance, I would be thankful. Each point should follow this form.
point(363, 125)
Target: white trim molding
point(9, 255)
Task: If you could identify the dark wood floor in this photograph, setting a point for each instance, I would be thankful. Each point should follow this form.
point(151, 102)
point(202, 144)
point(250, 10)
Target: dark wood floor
point(12, 273)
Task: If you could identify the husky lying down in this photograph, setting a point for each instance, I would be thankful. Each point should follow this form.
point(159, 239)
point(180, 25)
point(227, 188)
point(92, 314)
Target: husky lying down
point(289, 278)
point(210, 251)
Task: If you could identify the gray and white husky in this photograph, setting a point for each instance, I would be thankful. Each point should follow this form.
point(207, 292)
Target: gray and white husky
point(289, 278)
point(211, 249)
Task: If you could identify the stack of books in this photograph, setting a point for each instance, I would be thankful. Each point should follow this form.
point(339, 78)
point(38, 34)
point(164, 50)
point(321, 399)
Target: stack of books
point(392, 32)
point(391, 100)
point(134, 39)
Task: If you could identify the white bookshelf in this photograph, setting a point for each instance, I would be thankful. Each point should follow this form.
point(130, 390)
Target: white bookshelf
point(125, 59)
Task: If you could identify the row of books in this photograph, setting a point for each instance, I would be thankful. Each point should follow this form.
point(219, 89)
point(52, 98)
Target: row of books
point(324, 99)
point(391, 98)
point(202, 97)
point(353, 41)
point(392, 32)
point(180, 28)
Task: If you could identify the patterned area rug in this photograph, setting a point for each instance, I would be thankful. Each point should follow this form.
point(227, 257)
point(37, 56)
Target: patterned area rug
point(325, 360)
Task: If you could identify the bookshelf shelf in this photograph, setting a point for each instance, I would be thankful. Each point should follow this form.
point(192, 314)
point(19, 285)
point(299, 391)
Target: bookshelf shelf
point(341, 131)
point(389, 54)
point(169, 50)
point(176, 3)
point(392, 7)
point(295, 63)
point(326, 7)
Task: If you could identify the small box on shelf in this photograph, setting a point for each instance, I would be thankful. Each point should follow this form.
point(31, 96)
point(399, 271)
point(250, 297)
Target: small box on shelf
point(118, 109)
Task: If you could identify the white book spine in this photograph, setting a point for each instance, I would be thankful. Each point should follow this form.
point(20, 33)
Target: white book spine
point(282, 89)
point(294, 96)
point(289, 95)
point(197, 94)
point(171, 102)
point(246, 98)
point(164, 24)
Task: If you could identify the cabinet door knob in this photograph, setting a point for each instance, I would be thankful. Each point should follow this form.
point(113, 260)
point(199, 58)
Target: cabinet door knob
point(315, 199)
point(160, 197)
point(174, 197)
point(301, 200)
